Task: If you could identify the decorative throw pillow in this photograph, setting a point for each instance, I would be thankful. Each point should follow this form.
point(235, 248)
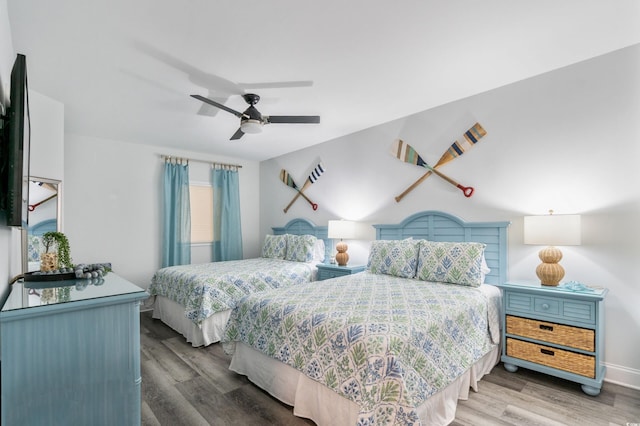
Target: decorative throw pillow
point(275, 246)
point(394, 257)
point(448, 262)
point(300, 248)
point(34, 248)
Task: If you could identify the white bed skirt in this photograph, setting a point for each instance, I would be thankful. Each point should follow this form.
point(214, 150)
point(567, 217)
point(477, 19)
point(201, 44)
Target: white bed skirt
point(314, 401)
point(172, 314)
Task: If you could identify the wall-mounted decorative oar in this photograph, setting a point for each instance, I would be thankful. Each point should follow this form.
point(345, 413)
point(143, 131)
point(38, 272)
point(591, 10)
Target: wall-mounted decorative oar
point(313, 177)
point(468, 141)
point(288, 180)
point(406, 153)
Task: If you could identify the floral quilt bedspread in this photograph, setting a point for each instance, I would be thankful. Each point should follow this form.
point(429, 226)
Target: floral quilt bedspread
point(384, 342)
point(208, 288)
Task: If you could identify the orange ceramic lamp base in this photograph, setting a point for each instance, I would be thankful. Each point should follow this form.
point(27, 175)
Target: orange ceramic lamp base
point(342, 257)
point(550, 271)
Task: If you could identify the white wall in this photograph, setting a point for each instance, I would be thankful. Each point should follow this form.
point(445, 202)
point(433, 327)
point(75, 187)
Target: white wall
point(7, 56)
point(566, 140)
point(47, 140)
point(112, 203)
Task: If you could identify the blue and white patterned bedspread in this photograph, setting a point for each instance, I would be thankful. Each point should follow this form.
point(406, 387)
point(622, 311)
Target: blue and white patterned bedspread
point(208, 288)
point(384, 342)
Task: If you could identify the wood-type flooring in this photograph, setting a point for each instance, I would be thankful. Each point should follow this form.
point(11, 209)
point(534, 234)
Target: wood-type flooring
point(182, 385)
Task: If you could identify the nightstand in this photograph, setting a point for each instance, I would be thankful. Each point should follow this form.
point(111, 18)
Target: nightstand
point(555, 331)
point(328, 270)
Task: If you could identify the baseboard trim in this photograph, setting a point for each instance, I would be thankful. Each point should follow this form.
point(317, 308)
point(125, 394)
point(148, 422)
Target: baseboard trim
point(623, 376)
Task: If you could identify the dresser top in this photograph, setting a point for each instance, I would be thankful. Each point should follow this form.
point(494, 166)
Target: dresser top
point(33, 294)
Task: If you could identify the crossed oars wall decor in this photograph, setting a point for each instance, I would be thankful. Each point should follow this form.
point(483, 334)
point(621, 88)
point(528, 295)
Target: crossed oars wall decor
point(459, 147)
point(311, 179)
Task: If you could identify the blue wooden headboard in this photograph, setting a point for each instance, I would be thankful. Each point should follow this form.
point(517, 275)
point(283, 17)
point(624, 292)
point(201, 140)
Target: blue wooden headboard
point(49, 225)
point(306, 227)
point(438, 226)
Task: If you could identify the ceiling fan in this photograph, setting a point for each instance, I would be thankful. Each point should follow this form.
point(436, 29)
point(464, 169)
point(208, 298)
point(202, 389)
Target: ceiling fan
point(251, 120)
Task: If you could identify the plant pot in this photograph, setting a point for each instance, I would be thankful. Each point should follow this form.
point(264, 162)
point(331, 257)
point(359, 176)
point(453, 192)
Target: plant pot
point(48, 262)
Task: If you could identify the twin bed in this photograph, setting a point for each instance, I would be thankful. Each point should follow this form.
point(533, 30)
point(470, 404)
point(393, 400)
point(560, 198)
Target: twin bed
point(196, 300)
point(398, 344)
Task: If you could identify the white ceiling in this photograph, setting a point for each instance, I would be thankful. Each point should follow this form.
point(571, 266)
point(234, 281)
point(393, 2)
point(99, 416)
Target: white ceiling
point(124, 69)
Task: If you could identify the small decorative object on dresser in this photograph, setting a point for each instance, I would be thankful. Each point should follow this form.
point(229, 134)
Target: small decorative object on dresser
point(57, 252)
point(555, 330)
point(326, 270)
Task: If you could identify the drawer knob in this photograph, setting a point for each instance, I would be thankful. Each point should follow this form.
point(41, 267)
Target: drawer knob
point(545, 306)
point(546, 327)
point(547, 352)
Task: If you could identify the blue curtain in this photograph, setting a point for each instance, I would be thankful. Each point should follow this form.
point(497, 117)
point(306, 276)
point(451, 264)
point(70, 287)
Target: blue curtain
point(227, 231)
point(176, 244)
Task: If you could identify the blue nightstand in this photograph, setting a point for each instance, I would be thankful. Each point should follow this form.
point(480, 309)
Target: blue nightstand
point(554, 331)
point(328, 270)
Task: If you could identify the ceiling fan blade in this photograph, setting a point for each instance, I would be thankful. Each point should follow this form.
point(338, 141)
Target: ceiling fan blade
point(293, 119)
point(216, 104)
point(237, 135)
point(277, 84)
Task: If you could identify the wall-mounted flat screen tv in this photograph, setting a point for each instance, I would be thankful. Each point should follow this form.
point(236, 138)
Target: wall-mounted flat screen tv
point(14, 164)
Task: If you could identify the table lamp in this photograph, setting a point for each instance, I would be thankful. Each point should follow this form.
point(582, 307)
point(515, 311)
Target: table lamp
point(343, 230)
point(551, 230)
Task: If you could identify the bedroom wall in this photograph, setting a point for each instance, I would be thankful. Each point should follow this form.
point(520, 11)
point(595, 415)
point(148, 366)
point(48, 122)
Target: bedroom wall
point(46, 148)
point(7, 56)
point(112, 203)
point(567, 140)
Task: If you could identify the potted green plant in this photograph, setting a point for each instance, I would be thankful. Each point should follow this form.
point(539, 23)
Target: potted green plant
point(56, 251)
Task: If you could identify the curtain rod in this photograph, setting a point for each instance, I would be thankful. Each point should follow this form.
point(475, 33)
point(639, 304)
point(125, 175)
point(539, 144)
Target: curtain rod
point(213, 163)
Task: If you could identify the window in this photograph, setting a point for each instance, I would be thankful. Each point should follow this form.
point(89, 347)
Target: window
point(201, 196)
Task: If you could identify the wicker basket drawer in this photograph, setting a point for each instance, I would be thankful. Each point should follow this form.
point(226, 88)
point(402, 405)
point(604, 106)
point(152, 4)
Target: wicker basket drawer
point(584, 365)
point(575, 337)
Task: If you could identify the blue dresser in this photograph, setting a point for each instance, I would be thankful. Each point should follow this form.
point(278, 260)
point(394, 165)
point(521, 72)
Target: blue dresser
point(554, 331)
point(70, 353)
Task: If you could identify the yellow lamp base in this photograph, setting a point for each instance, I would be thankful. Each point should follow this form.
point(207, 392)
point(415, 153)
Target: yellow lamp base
point(550, 271)
point(342, 257)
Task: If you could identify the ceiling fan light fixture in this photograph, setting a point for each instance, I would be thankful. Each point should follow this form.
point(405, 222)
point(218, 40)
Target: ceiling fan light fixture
point(251, 126)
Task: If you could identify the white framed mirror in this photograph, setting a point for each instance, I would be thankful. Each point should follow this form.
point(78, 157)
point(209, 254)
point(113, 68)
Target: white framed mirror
point(45, 214)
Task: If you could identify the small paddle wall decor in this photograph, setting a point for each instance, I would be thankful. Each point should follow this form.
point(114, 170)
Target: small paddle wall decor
point(407, 154)
point(315, 174)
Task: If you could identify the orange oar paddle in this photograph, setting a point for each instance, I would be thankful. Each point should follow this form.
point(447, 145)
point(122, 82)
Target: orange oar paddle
point(468, 141)
point(288, 180)
point(313, 177)
point(406, 153)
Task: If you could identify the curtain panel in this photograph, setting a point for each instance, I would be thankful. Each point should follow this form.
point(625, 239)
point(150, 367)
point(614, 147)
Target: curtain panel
point(227, 230)
point(176, 243)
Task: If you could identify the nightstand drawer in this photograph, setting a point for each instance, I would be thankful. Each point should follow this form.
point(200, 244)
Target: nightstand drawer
point(327, 271)
point(326, 274)
point(575, 337)
point(558, 307)
point(584, 365)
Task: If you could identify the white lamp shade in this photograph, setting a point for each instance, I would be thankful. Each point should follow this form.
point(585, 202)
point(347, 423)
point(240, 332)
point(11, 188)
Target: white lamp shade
point(553, 230)
point(342, 229)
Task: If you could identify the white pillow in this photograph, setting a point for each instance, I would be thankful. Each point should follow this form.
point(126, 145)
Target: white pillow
point(319, 251)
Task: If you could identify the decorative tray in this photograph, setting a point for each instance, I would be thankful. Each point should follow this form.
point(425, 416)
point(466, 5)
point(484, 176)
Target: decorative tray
point(42, 276)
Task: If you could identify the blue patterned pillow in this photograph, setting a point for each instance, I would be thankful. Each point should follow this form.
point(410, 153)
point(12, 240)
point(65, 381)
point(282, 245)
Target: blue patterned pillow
point(34, 248)
point(300, 248)
point(275, 246)
point(394, 257)
point(448, 262)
